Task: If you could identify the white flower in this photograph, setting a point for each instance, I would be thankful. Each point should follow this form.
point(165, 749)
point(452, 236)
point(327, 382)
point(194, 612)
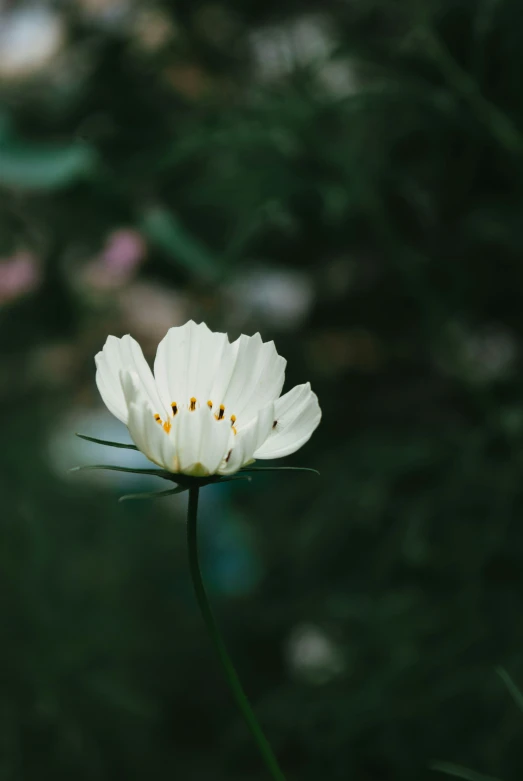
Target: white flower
point(211, 407)
point(313, 655)
point(29, 39)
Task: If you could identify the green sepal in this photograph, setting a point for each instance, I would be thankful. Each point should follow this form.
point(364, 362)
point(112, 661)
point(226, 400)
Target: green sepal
point(234, 477)
point(200, 482)
point(154, 494)
point(184, 482)
point(279, 469)
point(132, 470)
point(106, 442)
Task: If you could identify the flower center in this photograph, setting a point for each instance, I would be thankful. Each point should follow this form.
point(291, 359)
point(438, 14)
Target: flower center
point(191, 407)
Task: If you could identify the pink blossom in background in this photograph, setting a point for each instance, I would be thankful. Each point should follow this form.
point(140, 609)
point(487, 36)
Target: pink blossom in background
point(19, 274)
point(124, 251)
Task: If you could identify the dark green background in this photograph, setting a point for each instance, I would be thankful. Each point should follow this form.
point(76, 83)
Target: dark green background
point(401, 200)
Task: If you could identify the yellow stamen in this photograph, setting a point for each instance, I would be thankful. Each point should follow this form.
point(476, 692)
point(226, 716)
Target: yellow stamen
point(193, 404)
point(174, 407)
point(166, 426)
point(221, 412)
point(209, 404)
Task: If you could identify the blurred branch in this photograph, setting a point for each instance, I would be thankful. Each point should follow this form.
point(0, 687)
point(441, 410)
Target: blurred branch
point(460, 772)
point(165, 230)
point(500, 125)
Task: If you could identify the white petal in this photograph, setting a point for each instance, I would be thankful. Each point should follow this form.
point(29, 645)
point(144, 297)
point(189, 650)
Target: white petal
point(248, 440)
point(201, 441)
point(119, 355)
point(186, 364)
point(297, 415)
point(146, 433)
point(251, 375)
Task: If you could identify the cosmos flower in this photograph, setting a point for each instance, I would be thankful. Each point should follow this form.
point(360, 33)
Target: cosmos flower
point(211, 407)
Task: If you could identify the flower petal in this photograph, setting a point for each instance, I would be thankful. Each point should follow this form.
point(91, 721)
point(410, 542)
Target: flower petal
point(119, 355)
point(187, 361)
point(201, 441)
point(146, 433)
point(248, 439)
point(297, 415)
point(254, 376)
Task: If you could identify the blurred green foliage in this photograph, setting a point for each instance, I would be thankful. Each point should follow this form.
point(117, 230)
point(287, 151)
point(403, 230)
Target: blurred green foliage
point(376, 148)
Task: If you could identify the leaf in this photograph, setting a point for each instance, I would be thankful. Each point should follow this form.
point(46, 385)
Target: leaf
point(279, 469)
point(162, 228)
point(514, 691)
point(30, 166)
point(460, 772)
point(152, 472)
point(106, 442)
point(154, 494)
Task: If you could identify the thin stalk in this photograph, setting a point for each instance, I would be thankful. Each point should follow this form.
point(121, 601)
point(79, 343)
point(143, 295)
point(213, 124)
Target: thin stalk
point(214, 633)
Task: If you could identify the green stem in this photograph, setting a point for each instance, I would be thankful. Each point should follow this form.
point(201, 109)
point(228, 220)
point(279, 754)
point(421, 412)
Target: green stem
point(214, 633)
